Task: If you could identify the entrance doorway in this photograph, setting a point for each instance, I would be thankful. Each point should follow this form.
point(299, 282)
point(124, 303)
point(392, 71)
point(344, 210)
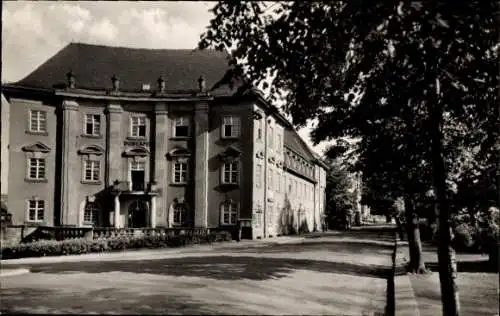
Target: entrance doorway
point(137, 212)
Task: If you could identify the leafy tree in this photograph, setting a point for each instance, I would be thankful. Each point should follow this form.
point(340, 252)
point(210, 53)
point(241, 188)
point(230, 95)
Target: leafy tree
point(339, 198)
point(354, 64)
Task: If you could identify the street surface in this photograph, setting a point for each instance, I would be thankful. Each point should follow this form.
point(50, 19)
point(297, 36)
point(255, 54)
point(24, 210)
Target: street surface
point(334, 273)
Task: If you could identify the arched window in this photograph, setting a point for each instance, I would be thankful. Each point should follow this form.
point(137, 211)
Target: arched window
point(179, 213)
point(91, 214)
point(229, 212)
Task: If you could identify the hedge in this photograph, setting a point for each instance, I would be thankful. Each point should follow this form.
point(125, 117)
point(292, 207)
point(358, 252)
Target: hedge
point(81, 246)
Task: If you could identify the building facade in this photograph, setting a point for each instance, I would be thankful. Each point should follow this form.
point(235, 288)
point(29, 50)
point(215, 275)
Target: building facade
point(87, 140)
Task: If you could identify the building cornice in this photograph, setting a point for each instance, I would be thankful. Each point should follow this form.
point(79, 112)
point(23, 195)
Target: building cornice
point(134, 97)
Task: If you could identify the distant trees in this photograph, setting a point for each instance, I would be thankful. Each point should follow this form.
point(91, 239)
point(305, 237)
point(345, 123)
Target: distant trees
point(339, 196)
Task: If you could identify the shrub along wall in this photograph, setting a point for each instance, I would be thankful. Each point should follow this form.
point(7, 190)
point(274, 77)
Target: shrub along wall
point(81, 246)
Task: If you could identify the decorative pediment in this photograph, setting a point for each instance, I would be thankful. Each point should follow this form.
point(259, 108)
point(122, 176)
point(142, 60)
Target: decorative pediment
point(179, 152)
point(37, 147)
point(230, 153)
point(179, 200)
point(91, 150)
point(137, 151)
point(257, 115)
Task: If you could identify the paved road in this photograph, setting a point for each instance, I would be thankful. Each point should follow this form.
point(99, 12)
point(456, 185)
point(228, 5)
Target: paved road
point(335, 273)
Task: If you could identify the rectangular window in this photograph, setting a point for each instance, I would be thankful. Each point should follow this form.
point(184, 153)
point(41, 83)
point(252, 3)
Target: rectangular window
point(181, 127)
point(258, 175)
point(92, 124)
point(270, 179)
point(38, 121)
point(36, 168)
point(138, 126)
point(270, 215)
point(92, 170)
point(229, 213)
point(231, 171)
point(36, 209)
point(137, 175)
point(259, 130)
point(180, 172)
point(278, 142)
point(230, 127)
point(270, 137)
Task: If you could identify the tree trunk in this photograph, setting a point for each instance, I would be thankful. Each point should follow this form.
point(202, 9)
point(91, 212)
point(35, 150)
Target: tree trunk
point(446, 260)
point(417, 264)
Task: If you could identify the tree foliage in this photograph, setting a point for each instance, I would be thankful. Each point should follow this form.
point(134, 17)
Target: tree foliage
point(339, 195)
point(422, 74)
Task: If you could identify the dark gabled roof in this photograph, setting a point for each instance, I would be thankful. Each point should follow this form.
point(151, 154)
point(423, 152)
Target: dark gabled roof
point(295, 143)
point(94, 65)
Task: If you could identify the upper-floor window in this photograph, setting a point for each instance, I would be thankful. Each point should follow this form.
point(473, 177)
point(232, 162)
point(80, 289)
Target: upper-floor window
point(278, 142)
point(36, 168)
point(229, 213)
point(92, 124)
point(36, 209)
point(230, 172)
point(259, 129)
point(271, 137)
point(137, 175)
point(258, 175)
point(138, 126)
point(180, 172)
point(181, 127)
point(231, 127)
point(92, 170)
point(38, 121)
point(270, 176)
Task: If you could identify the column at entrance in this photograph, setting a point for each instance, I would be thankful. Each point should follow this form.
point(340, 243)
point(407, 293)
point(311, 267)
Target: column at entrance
point(152, 212)
point(117, 211)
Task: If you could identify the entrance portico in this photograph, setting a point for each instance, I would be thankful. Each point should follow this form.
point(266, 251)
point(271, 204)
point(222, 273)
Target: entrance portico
point(133, 209)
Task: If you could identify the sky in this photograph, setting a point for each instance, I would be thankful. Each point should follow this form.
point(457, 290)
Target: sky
point(32, 32)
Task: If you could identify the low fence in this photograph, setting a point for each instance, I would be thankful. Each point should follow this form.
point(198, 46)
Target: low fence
point(22, 234)
point(111, 232)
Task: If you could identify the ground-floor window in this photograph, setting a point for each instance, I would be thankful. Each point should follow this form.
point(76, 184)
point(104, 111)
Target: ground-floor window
point(179, 213)
point(36, 209)
point(229, 213)
point(91, 213)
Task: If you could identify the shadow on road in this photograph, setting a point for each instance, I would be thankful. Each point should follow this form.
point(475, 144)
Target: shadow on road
point(477, 266)
point(219, 267)
point(370, 247)
point(51, 301)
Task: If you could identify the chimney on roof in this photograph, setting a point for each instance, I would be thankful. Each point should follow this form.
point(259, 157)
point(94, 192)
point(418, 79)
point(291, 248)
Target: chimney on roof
point(71, 79)
point(116, 83)
point(161, 84)
point(201, 84)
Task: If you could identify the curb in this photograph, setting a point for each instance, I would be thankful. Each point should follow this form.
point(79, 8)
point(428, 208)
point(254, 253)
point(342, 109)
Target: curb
point(12, 272)
point(405, 302)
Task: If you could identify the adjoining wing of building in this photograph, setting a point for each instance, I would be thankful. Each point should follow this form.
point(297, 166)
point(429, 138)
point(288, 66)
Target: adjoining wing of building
point(120, 137)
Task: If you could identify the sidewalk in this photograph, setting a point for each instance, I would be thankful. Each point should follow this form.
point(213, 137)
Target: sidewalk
point(420, 294)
